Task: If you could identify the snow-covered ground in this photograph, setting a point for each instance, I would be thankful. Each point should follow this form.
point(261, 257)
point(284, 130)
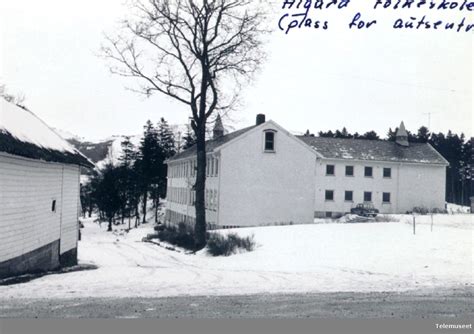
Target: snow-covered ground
point(288, 259)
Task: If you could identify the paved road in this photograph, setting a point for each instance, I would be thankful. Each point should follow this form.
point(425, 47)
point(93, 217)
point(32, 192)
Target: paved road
point(442, 304)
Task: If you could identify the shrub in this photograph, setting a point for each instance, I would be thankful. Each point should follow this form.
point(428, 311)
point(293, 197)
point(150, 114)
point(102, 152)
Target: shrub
point(181, 235)
point(219, 245)
point(421, 210)
point(386, 219)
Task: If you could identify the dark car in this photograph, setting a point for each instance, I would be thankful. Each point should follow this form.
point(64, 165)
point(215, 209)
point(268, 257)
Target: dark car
point(365, 210)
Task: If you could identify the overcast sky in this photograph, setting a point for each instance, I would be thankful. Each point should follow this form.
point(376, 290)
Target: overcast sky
point(313, 79)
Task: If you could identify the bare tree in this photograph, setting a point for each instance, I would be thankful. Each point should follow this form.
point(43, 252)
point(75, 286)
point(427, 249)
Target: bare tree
point(198, 52)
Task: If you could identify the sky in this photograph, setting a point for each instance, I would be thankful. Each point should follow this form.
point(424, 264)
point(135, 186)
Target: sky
point(367, 79)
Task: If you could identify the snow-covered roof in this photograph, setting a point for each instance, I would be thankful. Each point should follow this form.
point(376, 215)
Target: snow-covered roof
point(22, 133)
point(374, 150)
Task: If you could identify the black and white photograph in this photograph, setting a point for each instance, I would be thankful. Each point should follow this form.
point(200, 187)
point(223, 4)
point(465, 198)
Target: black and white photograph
point(237, 159)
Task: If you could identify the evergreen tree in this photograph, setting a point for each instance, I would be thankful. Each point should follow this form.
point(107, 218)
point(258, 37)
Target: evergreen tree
point(129, 180)
point(392, 135)
point(423, 135)
point(189, 139)
point(149, 162)
point(328, 134)
point(371, 135)
point(166, 139)
point(86, 199)
point(167, 145)
point(343, 134)
point(107, 194)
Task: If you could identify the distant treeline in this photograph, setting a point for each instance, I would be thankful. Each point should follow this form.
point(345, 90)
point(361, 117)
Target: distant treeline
point(456, 149)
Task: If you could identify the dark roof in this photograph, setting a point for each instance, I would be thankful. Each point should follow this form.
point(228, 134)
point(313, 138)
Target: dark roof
point(24, 134)
point(373, 150)
point(211, 145)
point(11, 145)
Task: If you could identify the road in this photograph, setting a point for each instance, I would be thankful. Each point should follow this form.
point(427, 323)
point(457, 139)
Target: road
point(442, 304)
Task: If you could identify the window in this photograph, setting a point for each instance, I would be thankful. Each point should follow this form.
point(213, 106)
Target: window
point(328, 214)
point(329, 195)
point(53, 206)
point(330, 170)
point(368, 172)
point(349, 170)
point(217, 167)
point(386, 197)
point(349, 196)
point(367, 196)
point(269, 141)
point(387, 173)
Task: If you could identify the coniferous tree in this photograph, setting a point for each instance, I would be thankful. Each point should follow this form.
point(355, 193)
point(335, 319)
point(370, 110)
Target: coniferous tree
point(328, 134)
point(107, 194)
point(423, 135)
point(129, 180)
point(149, 163)
point(167, 149)
point(371, 135)
point(189, 139)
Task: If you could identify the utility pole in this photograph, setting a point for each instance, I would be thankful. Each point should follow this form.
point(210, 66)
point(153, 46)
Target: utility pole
point(429, 118)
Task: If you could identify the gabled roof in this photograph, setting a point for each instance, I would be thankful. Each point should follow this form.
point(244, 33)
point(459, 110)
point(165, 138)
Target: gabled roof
point(211, 145)
point(374, 150)
point(22, 133)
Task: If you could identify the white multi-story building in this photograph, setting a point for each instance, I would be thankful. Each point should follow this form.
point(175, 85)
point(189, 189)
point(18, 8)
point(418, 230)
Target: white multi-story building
point(394, 176)
point(263, 175)
point(39, 194)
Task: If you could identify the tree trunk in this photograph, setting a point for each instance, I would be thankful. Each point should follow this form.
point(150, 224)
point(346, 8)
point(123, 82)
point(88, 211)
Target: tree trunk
point(137, 215)
point(109, 228)
point(145, 199)
point(157, 204)
point(200, 206)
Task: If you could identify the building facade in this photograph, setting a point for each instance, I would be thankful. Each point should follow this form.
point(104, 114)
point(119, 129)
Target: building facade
point(247, 183)
point(39, 195)
point(263, 175)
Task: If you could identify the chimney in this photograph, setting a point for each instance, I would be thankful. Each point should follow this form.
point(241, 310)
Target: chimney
point(260, 119)
point(218, 128)
point(402, 136)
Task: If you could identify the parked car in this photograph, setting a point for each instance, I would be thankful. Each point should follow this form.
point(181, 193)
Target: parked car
point(365, 210)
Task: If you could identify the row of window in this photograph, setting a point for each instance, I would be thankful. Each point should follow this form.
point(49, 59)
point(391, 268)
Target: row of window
point(186, 196)
point(189, 169)
point(349, 196)
point(177, 218)
point(368, 171)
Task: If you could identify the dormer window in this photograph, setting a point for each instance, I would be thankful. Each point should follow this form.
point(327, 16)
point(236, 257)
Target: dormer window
point(270, 140)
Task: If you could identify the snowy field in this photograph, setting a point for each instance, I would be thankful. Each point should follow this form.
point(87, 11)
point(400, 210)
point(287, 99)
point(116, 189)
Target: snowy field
point(288, 259)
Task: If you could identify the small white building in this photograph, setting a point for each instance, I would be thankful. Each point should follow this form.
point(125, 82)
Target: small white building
point(263, 175)
point(39, 194)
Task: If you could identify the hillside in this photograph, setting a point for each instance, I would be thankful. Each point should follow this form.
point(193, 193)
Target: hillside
point(108, 150)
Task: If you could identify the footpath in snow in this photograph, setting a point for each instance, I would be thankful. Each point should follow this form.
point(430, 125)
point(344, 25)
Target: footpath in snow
point(288, 259)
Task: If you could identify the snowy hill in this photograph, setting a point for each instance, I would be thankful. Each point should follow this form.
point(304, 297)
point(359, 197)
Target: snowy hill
point(103, 151)
point(109, 150)
point(68, 135)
